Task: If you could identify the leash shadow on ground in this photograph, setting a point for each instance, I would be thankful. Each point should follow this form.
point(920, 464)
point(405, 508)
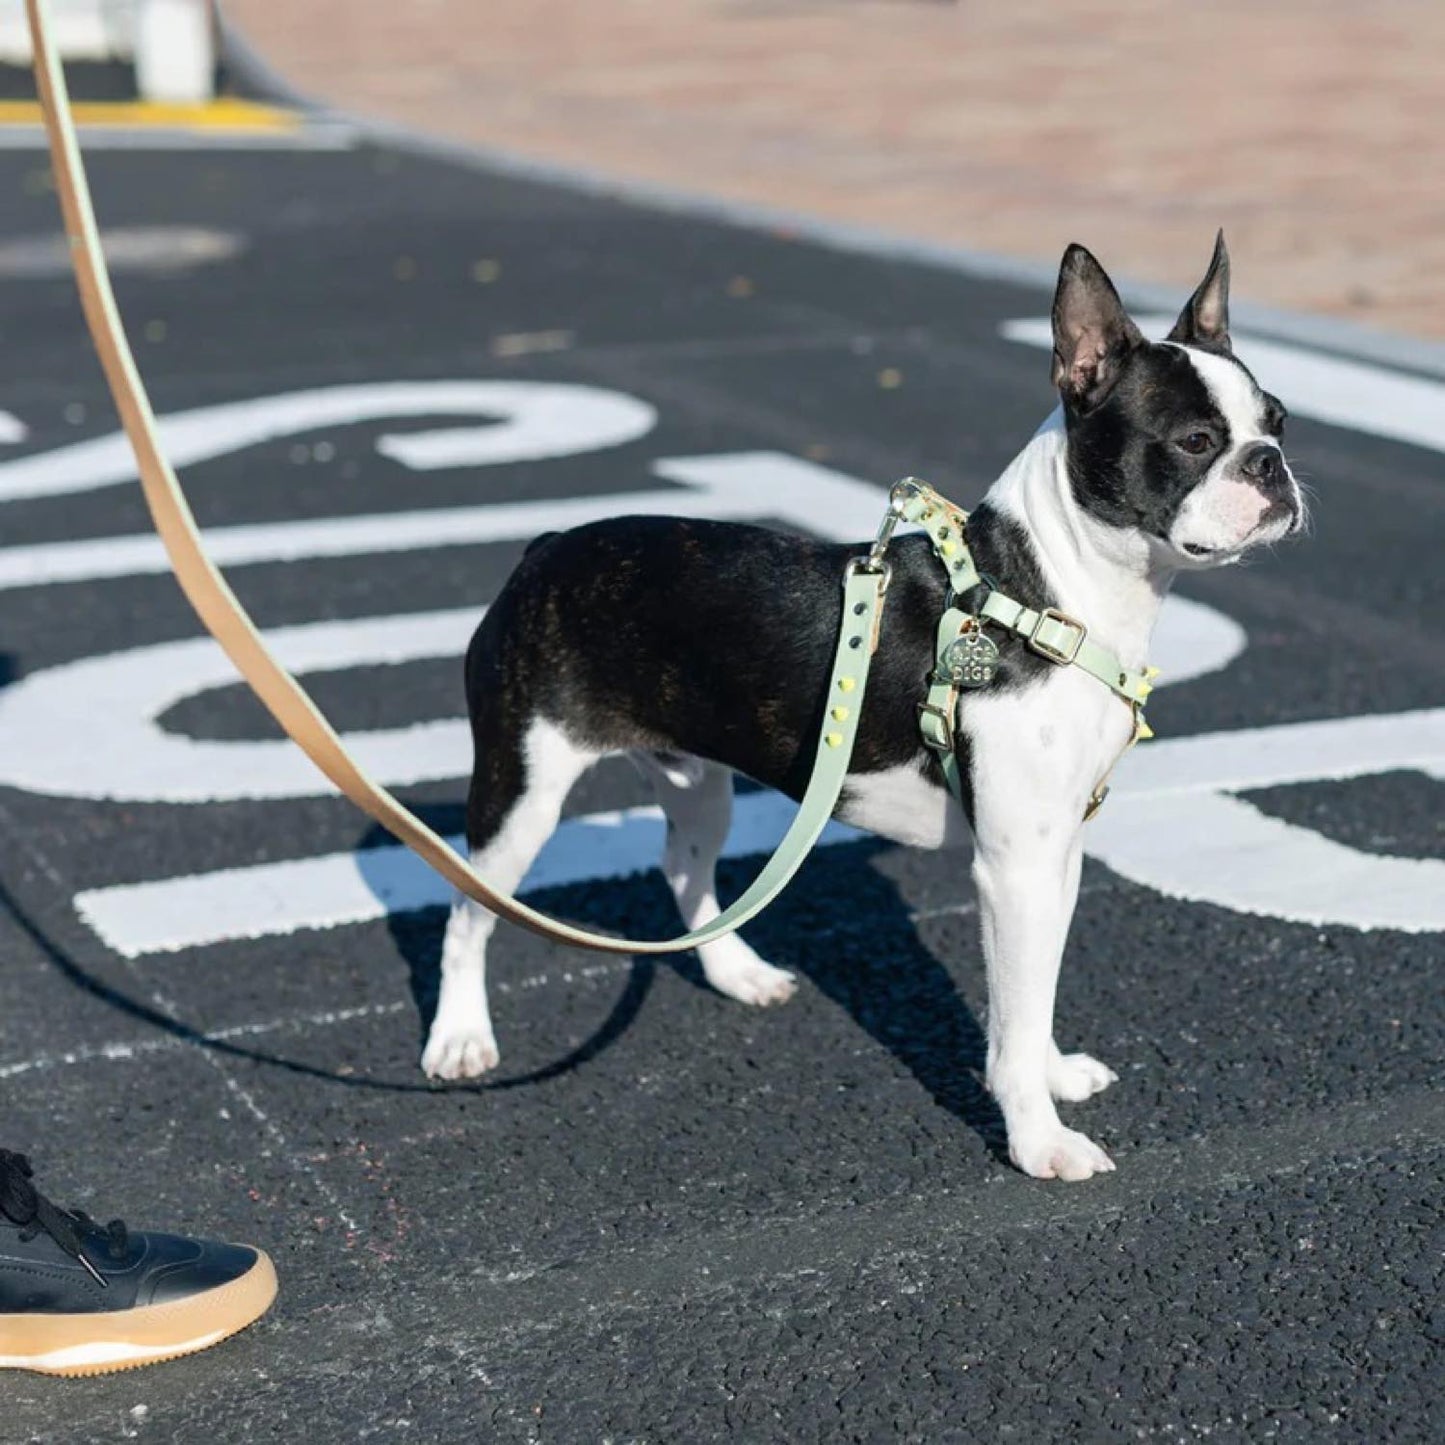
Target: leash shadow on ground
point(419, 938)
point(89, 980)
point(842, 925)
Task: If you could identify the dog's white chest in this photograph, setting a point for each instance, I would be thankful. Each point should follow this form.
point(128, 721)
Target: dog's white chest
point(900, 804)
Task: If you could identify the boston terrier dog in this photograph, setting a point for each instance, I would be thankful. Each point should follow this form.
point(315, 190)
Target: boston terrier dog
point(704, 648)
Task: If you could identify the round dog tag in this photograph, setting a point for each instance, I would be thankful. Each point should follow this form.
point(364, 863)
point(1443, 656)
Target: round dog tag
point(971, 659)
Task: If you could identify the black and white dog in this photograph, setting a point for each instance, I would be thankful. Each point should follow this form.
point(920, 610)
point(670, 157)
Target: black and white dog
point(703, 649)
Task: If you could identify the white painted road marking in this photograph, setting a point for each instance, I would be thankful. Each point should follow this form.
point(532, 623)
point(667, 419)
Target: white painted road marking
point(1223, 850)
point(740, 485)
point(1350, 394)
point(1174, 829)
point(531, 420)
point(147, 250)
point(100, 715)
point(1305, 752)
point(277, 898)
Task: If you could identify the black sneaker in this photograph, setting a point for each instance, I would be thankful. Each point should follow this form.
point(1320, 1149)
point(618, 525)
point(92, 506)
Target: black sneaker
point(77, 1298)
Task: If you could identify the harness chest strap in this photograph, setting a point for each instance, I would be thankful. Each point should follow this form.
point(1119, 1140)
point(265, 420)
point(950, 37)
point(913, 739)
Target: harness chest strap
point(1064, 641)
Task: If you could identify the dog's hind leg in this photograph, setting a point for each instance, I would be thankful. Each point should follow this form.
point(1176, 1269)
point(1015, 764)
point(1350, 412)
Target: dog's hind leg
point(697, 799)
point(517, 793)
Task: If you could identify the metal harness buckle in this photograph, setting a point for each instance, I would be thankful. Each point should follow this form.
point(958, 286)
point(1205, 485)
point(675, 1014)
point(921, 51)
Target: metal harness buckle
point(945, 724)
point(1063, 656)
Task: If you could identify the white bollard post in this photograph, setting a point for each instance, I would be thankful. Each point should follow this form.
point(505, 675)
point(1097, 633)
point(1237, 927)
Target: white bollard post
point(175, 51)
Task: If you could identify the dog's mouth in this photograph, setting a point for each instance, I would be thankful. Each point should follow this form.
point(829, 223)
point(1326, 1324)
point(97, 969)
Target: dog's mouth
point(1279, 511)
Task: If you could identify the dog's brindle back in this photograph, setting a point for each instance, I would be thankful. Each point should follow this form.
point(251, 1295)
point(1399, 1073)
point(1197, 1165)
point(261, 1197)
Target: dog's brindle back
point(741, 686)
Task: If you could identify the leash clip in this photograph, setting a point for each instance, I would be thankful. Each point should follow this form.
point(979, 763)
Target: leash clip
point(899, 496)
point(905, 491)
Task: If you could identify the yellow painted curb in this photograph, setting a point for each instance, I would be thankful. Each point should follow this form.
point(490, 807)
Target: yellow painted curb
point(227, 114)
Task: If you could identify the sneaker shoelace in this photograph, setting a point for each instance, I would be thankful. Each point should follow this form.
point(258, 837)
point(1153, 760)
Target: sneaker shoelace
point(23, 1204)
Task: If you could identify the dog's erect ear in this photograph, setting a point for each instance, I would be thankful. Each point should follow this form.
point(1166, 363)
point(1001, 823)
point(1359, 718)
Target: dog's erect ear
point(1204, 322)
point(1093, 334)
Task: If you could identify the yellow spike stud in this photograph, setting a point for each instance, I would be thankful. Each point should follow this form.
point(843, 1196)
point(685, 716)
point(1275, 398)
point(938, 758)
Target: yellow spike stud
point(840, 714)
point(834, 740)
point(847, 684)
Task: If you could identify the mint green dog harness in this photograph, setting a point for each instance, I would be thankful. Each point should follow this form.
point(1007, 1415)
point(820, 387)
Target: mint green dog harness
point(966, 657)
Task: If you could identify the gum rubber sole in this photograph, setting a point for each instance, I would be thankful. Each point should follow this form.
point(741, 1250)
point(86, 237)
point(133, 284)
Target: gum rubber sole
point(101, 1343)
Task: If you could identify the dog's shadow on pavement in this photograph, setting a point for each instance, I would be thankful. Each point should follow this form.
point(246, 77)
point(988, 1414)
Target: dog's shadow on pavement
point(842, 926)
point(846, 929)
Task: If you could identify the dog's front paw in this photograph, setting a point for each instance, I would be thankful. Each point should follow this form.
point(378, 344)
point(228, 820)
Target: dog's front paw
point(1073, 1077)
point(1059, 1153)
point(459, 1051)
point(742, 975)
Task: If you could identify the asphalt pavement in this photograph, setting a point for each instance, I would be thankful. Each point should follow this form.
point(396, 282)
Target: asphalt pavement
point(667, 1217)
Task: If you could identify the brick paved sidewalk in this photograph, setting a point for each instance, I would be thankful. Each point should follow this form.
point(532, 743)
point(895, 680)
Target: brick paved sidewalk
point(1314, 130)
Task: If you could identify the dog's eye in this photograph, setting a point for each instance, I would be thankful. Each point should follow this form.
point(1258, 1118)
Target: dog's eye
point(1196, 443)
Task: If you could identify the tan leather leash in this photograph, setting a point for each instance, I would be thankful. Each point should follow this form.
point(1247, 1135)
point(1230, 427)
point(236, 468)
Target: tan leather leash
point(865, 585)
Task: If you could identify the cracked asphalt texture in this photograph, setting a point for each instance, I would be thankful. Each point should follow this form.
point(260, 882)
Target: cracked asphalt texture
point(668, 1217)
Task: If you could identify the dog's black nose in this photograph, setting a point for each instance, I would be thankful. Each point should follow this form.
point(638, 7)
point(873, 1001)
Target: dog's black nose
point(1263, 465)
